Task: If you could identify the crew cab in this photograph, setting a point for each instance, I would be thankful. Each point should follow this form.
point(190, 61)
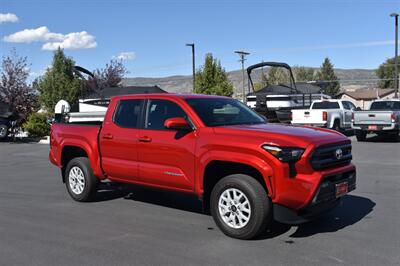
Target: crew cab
point(382, 118)
point(334, 114)
point(245, 171)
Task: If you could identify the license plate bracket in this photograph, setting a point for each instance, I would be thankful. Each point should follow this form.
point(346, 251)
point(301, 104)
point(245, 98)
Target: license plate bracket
point(342, 189)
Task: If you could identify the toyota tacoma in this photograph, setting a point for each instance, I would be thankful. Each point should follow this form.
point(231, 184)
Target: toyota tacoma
point(244, 170)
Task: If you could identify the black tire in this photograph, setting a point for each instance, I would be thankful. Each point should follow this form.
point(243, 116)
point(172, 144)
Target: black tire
point(89, 190)
point(3, 131)
point(361, 135)
point(336, 126)
point(260, 204)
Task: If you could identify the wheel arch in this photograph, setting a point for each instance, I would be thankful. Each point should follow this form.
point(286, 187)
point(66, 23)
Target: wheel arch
point(68, 153)
point(215, 170)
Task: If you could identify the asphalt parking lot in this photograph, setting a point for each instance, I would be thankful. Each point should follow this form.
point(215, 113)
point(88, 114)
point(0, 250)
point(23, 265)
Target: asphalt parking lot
point(41, 225)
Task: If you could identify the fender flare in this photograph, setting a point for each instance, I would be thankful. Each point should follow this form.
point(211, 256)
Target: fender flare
point(253, 161)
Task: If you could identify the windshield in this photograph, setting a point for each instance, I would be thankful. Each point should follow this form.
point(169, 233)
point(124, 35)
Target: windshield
point(222, 112)
point(387, 105)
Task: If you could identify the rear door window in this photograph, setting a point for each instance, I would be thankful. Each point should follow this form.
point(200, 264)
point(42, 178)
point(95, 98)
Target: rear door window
point(127, 113)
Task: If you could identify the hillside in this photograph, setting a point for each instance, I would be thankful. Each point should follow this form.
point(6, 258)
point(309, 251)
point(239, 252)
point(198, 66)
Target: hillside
point(351, 79)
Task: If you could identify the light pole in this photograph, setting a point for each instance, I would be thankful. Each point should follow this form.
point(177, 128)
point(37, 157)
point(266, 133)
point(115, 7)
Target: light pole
point(242, 55)
point(396, 73)
point(193, 66)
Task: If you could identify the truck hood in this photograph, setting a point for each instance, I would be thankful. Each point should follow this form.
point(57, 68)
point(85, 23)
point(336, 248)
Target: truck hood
point(284, 135)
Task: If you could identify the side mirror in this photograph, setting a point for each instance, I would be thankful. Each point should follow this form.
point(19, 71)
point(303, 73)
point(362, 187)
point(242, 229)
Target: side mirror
point(358, 109)
point(177, 123)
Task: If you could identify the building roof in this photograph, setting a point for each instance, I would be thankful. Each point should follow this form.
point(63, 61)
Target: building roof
point(107, 93)
point(302, 87)
point(368, 94)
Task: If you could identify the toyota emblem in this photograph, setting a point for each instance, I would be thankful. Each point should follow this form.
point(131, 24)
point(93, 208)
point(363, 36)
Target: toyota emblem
point(339, 154)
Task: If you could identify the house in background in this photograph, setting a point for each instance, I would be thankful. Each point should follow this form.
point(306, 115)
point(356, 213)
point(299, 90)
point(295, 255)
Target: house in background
point(99, 101)
point(363, 97)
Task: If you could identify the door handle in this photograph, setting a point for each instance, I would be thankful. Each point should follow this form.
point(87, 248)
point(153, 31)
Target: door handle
point(145, 139)
point(108, 136)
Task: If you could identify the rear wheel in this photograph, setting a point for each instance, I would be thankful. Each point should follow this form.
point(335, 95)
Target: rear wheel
point(361, 135)
point(240, 206)
point(79, 179)
point(3, 131)
point(336, 126)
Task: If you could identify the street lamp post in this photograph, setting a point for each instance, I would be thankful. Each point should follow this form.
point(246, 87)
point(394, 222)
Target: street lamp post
point(242, 55)
point(193, 66)
point(396, 73)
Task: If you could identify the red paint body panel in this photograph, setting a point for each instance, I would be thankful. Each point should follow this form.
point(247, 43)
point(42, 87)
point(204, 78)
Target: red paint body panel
point(161, 158)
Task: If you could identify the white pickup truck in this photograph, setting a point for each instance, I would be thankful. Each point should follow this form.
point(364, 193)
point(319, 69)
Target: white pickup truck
point(382, 118)
point(334, 114)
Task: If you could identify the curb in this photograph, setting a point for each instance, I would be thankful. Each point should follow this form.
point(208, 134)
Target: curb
point(45, 140)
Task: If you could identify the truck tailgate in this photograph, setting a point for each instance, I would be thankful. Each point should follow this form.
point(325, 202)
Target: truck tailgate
point(372, 117)
point(307, 117)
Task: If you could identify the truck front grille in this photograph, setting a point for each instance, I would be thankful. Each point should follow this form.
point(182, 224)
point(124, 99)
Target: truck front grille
point(331, 155)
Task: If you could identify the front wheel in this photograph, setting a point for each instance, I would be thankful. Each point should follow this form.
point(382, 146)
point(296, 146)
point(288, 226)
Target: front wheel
point(240, 206)
point(79, 179)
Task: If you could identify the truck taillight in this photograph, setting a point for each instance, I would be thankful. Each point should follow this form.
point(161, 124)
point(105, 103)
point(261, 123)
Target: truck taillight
point(352, 117)
point(324, 116)
point(393, 117)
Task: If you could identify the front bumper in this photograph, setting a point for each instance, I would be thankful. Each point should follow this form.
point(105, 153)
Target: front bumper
point(323, 200)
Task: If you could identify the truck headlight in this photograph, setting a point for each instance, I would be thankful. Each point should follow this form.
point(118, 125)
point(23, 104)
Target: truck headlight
point(286, 155)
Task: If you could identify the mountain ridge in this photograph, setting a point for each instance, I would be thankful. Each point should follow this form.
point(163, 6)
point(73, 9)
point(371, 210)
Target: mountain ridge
point(350, 79)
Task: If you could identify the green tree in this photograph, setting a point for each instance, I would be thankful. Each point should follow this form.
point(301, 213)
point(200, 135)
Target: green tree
point(37, 125)
point(262, 83)
point(386, 73)
point(211, 78)
point(303, 74)
point(59, 82)
point(327, 74)
point(14, 89)
point(277, 75)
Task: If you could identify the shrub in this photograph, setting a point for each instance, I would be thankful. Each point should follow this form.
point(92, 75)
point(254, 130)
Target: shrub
point(37, 125)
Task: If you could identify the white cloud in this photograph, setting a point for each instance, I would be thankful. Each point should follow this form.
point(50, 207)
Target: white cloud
point(126, 56)
point(8, 17)
point(40, 34)
point(73, 40)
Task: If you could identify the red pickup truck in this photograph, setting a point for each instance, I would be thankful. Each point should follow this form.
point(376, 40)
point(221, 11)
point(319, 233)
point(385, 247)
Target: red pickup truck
point(245, 171)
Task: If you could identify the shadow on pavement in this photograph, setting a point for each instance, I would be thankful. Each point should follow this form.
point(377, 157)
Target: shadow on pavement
point(351, 210)
point(382, 138)
point(170, 199)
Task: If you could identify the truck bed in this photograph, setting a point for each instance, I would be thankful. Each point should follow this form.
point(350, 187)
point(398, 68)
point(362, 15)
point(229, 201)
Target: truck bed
point(84, 136)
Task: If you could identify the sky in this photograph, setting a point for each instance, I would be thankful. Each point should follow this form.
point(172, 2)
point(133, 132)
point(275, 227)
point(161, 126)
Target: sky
point(150, 36)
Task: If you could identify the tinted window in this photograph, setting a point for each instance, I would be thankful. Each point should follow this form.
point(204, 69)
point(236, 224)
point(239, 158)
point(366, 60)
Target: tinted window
point(352, 106)
point(160, 110)
point(346, 105)
point(326, 105)
point(220, 112)
point(385, 105)
point(127, 113)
